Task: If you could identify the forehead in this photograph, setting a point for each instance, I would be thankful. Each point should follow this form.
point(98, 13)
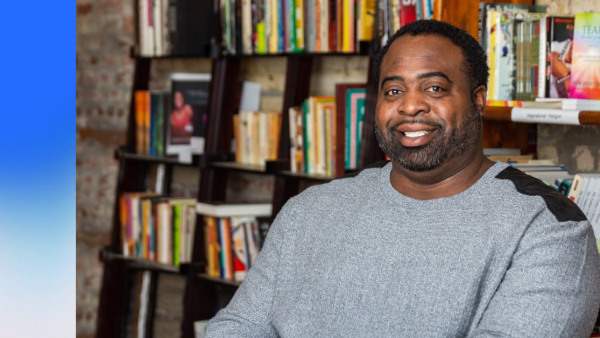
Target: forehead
point(423, 53)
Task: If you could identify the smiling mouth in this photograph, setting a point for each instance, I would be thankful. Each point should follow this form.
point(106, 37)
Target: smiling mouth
point(416, 133)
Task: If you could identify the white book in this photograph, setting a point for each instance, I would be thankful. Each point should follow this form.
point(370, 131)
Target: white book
point(244, 137)
point(165, 233)
point(574, 104)
point(200, 328)
point(542, 58)
point(322, 154)
point(150, 27)
point(157, 24)
point(263, 137)
point(143, 23)
point(191, 231)
point(324, 29)
point(246, 27)
point(234, 210)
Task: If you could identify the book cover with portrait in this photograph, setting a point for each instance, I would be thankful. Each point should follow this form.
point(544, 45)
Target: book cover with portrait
point(560, 51)
point(585, 72)
point(188, 114)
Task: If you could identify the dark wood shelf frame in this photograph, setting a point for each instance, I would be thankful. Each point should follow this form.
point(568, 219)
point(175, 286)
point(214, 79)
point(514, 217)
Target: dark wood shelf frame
point(218, 280)
point(201, 291)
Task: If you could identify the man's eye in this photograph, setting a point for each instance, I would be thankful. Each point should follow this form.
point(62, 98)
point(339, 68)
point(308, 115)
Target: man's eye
point(434, 89)
point(392, 92)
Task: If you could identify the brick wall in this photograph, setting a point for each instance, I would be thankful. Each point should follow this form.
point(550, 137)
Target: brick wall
point(103, 80)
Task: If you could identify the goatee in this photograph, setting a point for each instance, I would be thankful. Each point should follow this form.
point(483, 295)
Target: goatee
point(443, 147)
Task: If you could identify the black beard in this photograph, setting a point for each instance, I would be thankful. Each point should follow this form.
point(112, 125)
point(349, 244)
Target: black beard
point(443, 147)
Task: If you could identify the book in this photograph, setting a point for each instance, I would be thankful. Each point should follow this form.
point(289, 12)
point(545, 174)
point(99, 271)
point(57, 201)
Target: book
point(354, 121)
point(226, 258)
point(189, 114)
point(233, 210)
point(574, 104)
point(485, 8)
point(408, 12)
point(342, 136)
point(186, 36)
point(211, 246)
point(585, 69)
point(560, 39)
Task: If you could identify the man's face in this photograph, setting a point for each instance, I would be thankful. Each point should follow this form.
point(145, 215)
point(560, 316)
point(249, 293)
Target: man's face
point(425, 114)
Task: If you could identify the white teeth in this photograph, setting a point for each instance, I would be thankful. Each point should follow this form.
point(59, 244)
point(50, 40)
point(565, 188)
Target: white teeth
point(416, 133)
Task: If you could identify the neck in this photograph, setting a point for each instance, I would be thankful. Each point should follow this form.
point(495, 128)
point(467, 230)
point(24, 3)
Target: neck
point(451, 178)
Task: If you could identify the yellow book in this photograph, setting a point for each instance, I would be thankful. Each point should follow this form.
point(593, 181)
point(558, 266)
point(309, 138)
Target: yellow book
point(348, 16)
point(320, 139)
point(212, 247)
point(492, 52)
point(367, 19)
point(236, 137)
point(300, 25)
point(274, 33)
point(274, 128)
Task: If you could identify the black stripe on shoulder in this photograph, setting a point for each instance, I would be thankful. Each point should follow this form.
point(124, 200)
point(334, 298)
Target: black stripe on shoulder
point(379, 164)
point(559, 205)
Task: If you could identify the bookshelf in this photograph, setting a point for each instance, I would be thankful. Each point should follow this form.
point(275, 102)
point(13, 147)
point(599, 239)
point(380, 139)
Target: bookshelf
point(590, 118)
point(202, 292)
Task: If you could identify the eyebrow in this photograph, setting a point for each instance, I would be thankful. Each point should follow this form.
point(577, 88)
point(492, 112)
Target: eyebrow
point(434, 74)
point(420, 77)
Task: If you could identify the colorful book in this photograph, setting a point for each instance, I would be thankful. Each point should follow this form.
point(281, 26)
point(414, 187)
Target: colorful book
point(560, 41)
point(585, 70)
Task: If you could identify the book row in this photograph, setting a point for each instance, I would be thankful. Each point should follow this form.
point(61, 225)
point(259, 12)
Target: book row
point(171, 122)
point(533, 55)
point(157, 228)
point(295, 26)
point(172, 27)
point(256, 136)
point(325, 133)
point(231, 246)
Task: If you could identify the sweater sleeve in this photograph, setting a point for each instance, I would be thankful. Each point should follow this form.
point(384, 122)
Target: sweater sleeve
point(248, 313)
point(552, 286)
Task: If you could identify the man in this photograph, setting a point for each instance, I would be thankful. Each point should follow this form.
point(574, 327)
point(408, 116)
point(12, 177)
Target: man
point(439, 242)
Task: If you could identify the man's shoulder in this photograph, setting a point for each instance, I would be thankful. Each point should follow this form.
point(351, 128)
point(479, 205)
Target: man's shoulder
point(528, 192)
point(355, 185)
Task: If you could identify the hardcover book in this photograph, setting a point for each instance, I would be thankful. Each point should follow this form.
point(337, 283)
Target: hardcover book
point(585, 71)
point(560, 38)
point(188, 117)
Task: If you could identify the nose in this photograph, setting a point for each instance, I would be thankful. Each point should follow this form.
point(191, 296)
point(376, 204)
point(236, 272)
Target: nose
point(413, 103)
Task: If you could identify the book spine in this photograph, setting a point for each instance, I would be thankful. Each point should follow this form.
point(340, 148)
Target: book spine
point(263, 137)
point(541, 79)
point(147, 118)
point(324, 27)
point(586, 57)
point(293, 137)
point(306, 136)
point(300, 25)
point(281, 26)
point(300, 158)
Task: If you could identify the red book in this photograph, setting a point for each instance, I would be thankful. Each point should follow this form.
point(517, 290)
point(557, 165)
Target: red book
point(408, 13)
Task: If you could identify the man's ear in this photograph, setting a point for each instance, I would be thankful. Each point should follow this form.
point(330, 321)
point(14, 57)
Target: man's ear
point(479, 98)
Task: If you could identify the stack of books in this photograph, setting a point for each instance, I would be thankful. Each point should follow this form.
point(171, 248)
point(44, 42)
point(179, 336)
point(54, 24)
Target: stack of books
point(232, 237)
point(157, 228)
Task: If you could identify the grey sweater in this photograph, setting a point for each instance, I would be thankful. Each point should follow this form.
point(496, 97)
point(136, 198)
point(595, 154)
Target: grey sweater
point(354, 258)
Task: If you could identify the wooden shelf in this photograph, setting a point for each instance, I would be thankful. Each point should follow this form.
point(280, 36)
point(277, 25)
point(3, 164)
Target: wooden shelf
point(219, 280)
point(240, 167)
point(497, 113)
point(314, 177)
point(139, 263)
point(119, 154)
point(493, 113)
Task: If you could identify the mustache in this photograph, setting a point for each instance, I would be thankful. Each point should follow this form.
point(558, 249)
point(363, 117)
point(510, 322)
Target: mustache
point(419, 121)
